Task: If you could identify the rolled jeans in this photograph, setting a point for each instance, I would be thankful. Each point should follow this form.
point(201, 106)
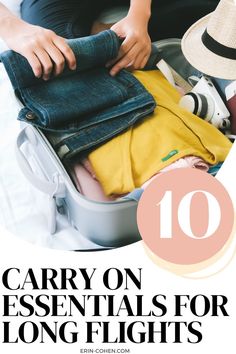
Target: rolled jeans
point(84, 108)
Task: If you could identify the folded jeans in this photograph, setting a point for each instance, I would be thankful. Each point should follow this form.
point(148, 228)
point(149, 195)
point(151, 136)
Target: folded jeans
point(84, 108)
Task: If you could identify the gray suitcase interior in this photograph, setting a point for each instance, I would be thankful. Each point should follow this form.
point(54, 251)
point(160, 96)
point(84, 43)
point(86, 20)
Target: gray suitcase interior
point(109, 224)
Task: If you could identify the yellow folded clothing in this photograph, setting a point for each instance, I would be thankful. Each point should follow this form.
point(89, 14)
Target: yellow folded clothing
point(128, 160)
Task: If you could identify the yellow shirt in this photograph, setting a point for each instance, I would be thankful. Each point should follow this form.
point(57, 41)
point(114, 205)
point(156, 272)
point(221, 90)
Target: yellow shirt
point(131, 158)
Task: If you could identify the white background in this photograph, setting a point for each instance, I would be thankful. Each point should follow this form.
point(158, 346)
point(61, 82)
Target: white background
point(218, 333)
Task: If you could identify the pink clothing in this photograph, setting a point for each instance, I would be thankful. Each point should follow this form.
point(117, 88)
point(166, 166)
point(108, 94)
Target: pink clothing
point(184, 162)
point(86, 163)
point(188, 161)
point(87, 185)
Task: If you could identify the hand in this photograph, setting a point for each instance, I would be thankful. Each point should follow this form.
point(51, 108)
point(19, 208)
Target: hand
point(136, 48)
point(45, 51)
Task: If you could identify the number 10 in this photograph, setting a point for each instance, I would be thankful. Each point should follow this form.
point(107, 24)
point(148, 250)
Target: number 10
point(184, 214)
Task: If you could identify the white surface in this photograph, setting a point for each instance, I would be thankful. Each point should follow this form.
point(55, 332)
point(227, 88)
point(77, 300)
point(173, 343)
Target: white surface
point(218, 332)
point(13, 5)
point(23, 210)
point(3, 46)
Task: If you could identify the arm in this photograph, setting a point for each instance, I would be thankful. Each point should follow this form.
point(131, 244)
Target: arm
point(45, 51)
point(141, 7)
point(136, 47)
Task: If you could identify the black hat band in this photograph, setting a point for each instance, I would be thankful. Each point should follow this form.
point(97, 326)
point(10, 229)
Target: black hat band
point(218, 48)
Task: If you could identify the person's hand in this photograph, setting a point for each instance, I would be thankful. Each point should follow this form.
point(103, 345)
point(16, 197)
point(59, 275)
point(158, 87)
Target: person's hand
point(45, 51)
point(136, 48)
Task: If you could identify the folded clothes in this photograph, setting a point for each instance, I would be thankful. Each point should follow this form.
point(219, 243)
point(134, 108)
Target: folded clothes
point(213, 170)
point(90, 52)
point(127, 161)
point(83, 108)
point(184, 162)
point(87, 184)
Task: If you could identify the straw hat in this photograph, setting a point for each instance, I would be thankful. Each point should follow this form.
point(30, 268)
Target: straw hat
point(210, 44)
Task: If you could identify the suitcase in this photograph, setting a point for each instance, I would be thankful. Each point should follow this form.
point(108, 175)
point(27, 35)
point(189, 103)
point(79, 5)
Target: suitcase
point(108, 224)
point(111, 224)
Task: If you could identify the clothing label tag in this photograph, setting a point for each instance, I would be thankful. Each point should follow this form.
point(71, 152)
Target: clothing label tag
point(63, 151)
point(172, 153)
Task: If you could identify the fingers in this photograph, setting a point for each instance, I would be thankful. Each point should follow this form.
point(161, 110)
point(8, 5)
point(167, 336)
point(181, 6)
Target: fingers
point(53, 56)
point(45, 51)
point(48, 54)
point(128, 63)
point(34, 63)
point(113, 61)
point(66, 51)
point(133, 54)
point(140, 61)
point(46, 63)
point(128, 44)
point(58, 60)
point(132, 59)
point(124, 49)
point(144, 61)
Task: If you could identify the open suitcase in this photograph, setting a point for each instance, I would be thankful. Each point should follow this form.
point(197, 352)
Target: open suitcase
point(109, 224)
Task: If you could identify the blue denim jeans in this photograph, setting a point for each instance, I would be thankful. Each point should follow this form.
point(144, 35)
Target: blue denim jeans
point(82, 108)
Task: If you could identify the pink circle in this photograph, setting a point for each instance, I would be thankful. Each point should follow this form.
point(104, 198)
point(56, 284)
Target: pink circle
point(157, 216)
